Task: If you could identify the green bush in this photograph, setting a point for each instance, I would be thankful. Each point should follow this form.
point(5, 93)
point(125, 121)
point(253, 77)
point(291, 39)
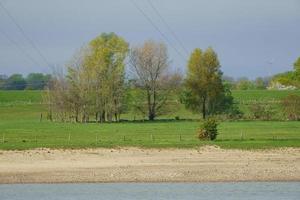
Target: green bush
point(208, 129)
point(291, 107)
point(261, 111)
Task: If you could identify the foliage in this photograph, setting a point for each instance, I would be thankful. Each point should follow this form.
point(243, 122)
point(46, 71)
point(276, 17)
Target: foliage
point(37, 81)
point(208, 129)
point(15, 82)
point(291, 107)
point(33, 81)
point(261, 111)
point(290, 77)
point(244, 84)
point(152, 78)
point(94, 85)
point(204, 90)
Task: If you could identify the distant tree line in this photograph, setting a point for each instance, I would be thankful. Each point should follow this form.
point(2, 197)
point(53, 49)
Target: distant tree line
point(33, 81)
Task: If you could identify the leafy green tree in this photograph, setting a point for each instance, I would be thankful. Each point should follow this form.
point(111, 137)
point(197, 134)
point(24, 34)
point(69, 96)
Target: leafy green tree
point(94, 84)
point(289, 78)
point(204, 90)
point(15, 82)
point(244, 84)
point(3, 79)
point(260, 83)
point(37, 81)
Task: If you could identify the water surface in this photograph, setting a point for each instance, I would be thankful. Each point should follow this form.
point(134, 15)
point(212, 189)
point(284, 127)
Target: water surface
point(207, 191)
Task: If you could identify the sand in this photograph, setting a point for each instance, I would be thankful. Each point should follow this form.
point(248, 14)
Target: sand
point(206, 164)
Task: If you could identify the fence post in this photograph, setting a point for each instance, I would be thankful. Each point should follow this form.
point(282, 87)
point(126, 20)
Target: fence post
point(242, 136)
point(152, 138)
point(3, 138)
point(124, 138)
point(179, 137)
point(69, 137)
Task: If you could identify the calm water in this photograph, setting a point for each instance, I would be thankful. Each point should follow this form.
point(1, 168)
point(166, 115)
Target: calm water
point(207, 191)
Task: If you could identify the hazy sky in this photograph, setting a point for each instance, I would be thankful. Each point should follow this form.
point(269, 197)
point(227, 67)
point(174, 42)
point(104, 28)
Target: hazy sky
point(247, 35)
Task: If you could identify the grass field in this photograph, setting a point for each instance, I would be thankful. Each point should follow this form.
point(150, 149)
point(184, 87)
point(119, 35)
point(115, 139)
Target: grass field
point(20, 127)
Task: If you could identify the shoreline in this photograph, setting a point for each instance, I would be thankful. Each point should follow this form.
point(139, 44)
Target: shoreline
point(207, 164)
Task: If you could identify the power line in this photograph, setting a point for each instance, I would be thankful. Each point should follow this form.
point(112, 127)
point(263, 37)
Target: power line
point(168, 27)
point(157, 29)
point(19, 48)
point(24, 34)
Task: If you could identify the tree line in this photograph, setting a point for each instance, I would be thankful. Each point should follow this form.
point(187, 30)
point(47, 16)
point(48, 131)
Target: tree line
point(99, 87)
point(33, 81)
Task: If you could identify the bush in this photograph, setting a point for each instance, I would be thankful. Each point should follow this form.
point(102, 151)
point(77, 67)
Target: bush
point(261, 111)
point(208, 130)
point(291, 107)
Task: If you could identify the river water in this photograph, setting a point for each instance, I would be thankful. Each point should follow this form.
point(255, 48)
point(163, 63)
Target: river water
point(207, 191)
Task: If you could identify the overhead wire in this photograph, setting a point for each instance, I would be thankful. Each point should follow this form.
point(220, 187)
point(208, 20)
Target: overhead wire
point(168, 26)
point(19, 27)
point(157, 29)
point(23, 51)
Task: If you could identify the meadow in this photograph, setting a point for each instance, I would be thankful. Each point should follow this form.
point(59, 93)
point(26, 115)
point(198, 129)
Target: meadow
point(21, 128)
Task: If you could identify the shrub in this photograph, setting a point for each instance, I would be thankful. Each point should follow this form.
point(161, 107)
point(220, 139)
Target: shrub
point(208, 129)
point(261, 111)
point(291, 107)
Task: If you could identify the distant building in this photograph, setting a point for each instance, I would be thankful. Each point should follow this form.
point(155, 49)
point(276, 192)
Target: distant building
point(275, 85)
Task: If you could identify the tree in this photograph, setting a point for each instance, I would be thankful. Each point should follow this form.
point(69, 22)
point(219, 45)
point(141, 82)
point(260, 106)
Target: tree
point(289, 78)
point(94, 84)
point(260, 83)
point(244, 84)
point(3, 79)
point(106, 69)
point(37, 81)
point(153, 79)
point(204, 90)
point(15, 82)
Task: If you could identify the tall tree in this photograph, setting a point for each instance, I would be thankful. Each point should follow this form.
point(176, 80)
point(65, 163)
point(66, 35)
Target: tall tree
point(106, 68)
point(204, 91)
point(94, 84)
point(154, 81)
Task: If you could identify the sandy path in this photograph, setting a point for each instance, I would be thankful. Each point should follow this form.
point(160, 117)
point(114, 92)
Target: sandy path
point(153, 165)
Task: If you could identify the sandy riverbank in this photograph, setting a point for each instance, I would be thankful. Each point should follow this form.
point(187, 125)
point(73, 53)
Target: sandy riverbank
point(149, 165)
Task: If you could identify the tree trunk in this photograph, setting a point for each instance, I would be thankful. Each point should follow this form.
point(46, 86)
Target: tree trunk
point(151, 116)
point(203, 108)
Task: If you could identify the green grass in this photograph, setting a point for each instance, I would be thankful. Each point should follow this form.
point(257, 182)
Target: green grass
point(21, 129)
point(20, 96)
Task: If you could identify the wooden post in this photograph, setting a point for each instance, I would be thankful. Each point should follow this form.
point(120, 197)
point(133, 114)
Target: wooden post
point(69, 137)
point(124, 138)
point(242, 136)
point(96, 138)
point(3, 138)
point(180, 137)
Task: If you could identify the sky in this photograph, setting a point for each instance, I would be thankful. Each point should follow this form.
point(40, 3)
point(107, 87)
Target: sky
point(252, 38)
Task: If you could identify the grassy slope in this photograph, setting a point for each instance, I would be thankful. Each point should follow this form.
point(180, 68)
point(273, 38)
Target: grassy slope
point(20, 126)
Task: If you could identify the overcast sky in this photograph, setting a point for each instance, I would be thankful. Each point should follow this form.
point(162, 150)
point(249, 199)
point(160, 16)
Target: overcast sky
point(247, 35)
